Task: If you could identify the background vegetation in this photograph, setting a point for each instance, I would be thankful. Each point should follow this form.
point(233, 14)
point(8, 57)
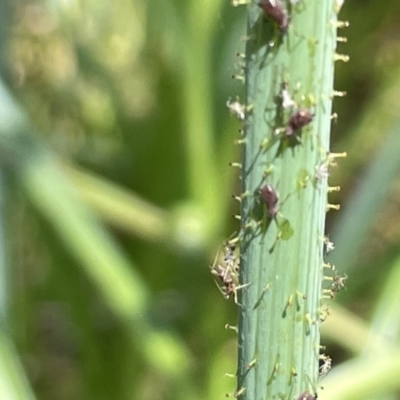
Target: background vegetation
point(116, 194)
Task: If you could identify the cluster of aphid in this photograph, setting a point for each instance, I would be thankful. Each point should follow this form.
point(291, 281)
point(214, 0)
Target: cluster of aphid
point(293, 118)
point(227, 271)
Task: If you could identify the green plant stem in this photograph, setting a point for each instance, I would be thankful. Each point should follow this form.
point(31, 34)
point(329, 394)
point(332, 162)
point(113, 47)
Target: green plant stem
point(282, 256)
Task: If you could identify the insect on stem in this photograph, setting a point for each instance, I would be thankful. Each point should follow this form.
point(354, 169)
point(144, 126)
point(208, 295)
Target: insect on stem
point(227, 272)
point(270, 198)
point(275, 10)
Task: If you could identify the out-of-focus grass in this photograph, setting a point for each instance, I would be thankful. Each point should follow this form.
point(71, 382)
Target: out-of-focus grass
point(134, 93)
point(13, 382)
point(121, 288)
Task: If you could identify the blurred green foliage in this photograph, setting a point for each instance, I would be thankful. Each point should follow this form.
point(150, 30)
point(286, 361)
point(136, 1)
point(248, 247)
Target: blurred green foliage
point(115, 209)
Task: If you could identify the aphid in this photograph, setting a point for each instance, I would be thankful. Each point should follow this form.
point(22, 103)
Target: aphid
point(298, 120)
point(321, 171)
point(227, 273)
point(237, 109)
point(328, 245)
point(339, 282)
point(326, 366)
point(270, 198)
point(275, 10)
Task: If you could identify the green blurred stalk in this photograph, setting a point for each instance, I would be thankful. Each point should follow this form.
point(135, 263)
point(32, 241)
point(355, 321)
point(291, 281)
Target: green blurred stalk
point(282, 257)
point(202, 19)
point(13, 382)
point(355, 220)
point(116, 279)
point(364, 376)
point(122, 208)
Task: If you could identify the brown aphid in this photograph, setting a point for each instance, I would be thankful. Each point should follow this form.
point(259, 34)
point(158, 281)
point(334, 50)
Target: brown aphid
point(270, 198)
point(275, 10)
point(298, 120)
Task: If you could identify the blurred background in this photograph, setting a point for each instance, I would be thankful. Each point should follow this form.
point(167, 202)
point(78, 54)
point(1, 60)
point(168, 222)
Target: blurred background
point(115, 195)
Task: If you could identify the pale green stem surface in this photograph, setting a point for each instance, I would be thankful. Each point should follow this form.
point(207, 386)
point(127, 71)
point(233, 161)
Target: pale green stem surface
point(282, 259)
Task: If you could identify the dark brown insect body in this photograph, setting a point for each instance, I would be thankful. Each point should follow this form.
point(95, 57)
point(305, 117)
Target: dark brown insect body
point(270, 198)
point(298, 120)
point(275, 10)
